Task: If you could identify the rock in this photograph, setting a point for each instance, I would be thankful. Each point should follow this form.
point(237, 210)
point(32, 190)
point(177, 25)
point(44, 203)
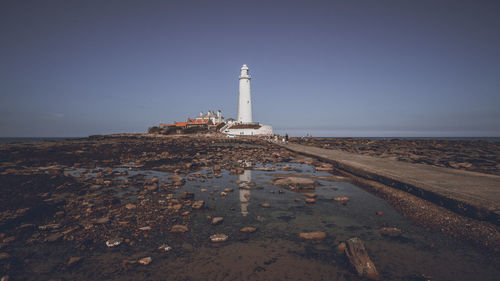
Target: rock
point(218, 237)
point(54, 237)
point(265, 169)
point(310, 200)
point(114, 242)
point(248, 229)
point(228, 189)
point(164, 248)
point(341, 247)
point(187, 195)
point(203, 190)
point(321, 169)
point(297, 182)
point(177, 206)
point(198, 204)
point(74, 260)
point(265, 205)
point(145, 228)
point(259, 218)
point(9, 239)
point(223, 194)
point(310, 195)
point(130, 206)
point(359, 259)
point(49, 226)
point(341, 199)
point(379, 213)
point(145, 261)
point(318, 235)
point(298, 199)
point(4, 256)
point(178, 228)
point(101, 220)
point(217, 220)
point(391, 231)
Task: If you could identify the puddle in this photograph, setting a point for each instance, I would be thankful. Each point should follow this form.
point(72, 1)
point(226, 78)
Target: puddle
point(274, 251)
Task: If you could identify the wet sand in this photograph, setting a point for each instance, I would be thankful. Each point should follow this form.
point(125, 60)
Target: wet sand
point(99, 208)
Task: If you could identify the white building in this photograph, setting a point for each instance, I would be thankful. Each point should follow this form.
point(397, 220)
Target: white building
point(216, 118)
point(245, 125)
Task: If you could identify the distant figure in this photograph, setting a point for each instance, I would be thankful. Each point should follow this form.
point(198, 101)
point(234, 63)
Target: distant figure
point(286, 137)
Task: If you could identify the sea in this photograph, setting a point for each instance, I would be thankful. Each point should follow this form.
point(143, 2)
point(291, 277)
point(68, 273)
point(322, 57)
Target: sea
point(35, 139)
point(488, 139)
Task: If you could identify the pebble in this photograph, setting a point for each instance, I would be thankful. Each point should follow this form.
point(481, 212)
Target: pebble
point(145, 261)
point(130, 206)
point(217, 220)
point(114, 242)
point(145, 228)
point(341, 247)
point(187, 195)
point(266, 205)
point(342, 199)
point(391, 231)
point(164, 248)
point(101, 220)
point(318, 235)
point(198, 204)
point(310, 200)
point(218, 237)
point(54, 237)
point(248, 229)
point(74, 260)
point(178, 228)
point(49, 226)
point(4, 256)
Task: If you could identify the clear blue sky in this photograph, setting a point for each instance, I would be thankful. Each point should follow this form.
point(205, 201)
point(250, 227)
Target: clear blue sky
point(329, 68)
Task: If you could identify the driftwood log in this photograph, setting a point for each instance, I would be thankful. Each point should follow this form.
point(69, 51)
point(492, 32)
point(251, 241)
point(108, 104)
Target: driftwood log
point(359, 259)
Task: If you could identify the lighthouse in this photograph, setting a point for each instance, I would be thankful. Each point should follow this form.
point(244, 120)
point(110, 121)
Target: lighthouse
point(245, 126)
point(245, 99)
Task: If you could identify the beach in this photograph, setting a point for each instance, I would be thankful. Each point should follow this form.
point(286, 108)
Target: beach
point(208, 207)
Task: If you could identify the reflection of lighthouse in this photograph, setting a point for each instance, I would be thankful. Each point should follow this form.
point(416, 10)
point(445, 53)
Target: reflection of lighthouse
point(244, 182)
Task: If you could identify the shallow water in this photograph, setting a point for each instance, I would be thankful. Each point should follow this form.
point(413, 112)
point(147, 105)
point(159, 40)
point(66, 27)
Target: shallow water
point(274, 251)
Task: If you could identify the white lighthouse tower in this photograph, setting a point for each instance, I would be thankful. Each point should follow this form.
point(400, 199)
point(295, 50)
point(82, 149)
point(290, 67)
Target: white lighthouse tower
point(245, 99)
point(245, 126)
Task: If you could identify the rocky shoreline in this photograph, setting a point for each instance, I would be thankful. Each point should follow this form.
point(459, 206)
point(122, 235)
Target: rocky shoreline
point(92, 195)
point(476, 156)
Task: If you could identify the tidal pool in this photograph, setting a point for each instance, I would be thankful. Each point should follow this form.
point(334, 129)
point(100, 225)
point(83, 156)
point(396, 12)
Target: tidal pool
point(274, 251)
